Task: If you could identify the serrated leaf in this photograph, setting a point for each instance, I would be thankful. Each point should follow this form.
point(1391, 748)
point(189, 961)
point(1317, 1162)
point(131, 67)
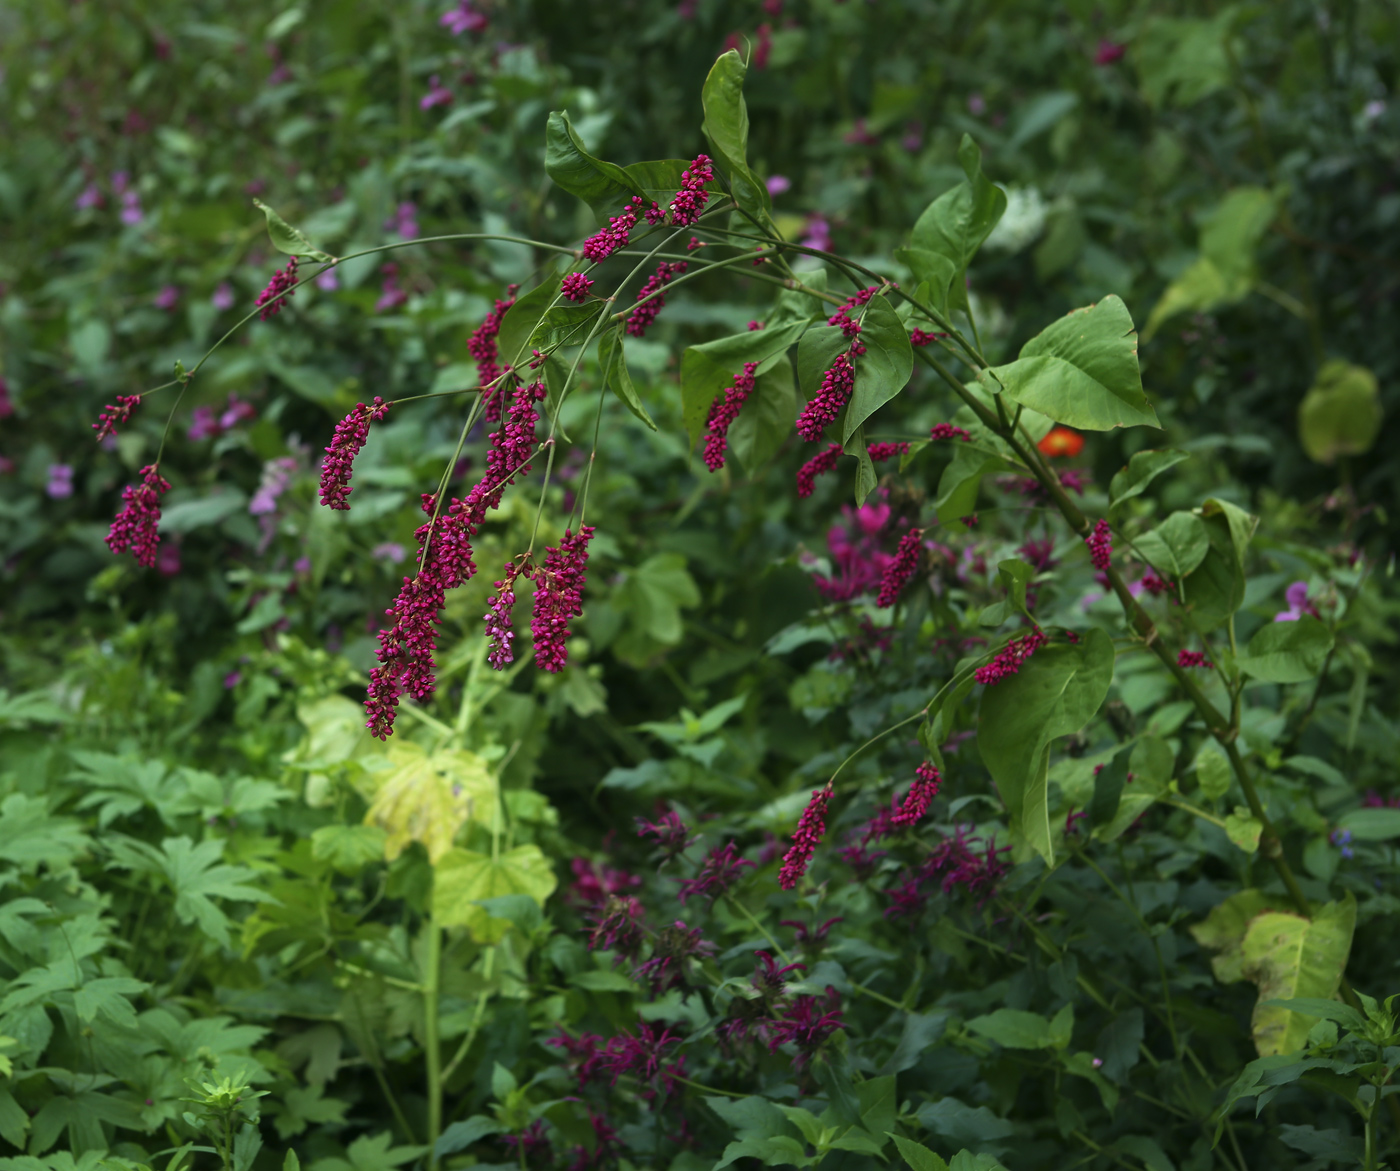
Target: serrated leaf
point(288, 239)
point(426, 797)
point(349, 848)
point(1082, 371)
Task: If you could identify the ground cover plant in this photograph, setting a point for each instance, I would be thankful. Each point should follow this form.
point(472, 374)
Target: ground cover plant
point(633, 676)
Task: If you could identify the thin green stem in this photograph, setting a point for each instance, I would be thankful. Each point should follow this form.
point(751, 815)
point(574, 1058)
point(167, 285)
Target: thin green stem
point(762, 930)
point(431, 1041)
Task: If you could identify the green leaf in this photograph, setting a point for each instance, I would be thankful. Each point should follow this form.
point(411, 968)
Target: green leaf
point(954, 226)
point(604, 186)
point(884, 369)
point(462, 878)
point(14, 1122)
point(1320, 1009)
point(1371, 825)
point(30, 837)
point(962, 480)
point(348, 848)
point(726, 126)
point(291, 1162)
point(1054, 694)
point(1243, 829)
point(460, 1135)
point(614, 363)
point(1176, 546)
point(1341, 413)
point(815, 353)
point(767, 419)
point(1108, 789)
point(659, 179)
point(1082, 371)
point(866, 478)
point(1287, 652)
point(1142, 469)
point(970, 1161)
point(919, 1157)
point(709, 368)
point(1181, 61)
point(1223, 931)
point(286, 238)
point(1213, 773)
point(1014, 1029)
point(934, 275)
point(878, 1103)
point(805, 1121)
point(1288, 956)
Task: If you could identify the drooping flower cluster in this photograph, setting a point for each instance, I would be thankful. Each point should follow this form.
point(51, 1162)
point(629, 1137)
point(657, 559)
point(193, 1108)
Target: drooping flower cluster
point(1185, 658)
point(948, 431)
point(879, 452)
point(901, 569)
point(513, 443)
point(575, 286)
point(617, 234)
point(818, 465)
point(842, 318)
point(652, 299)
point(1009, 659)
point(1155, 585)
point(832, 395)
point(349, 437)
point(690, 200)
point(496, 622)
point(805, 839)
point(558, 598)
point(723, 412)
point(919, 797)
point(278, 292)
point(115, 414)
point(407, 647)
point(136, 527)
point(482, 346)
point(1100, 543)
point(722, 868)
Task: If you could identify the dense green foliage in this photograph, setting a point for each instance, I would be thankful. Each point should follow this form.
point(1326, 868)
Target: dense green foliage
point(238, 931)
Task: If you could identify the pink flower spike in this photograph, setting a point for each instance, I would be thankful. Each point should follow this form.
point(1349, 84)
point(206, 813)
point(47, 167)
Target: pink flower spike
point(832, 395)
point(723, 412)
point(901, 569)
point(350, 436)
point(919, 797)
point(879, 452)
point(1008, 660)
point(559, 586)
point(1192, 659)
point(818, 465)
point(652, 298)
point(1100, 543)
point(272, 299)
point(482, 346)
point(497, 621)
point(575, 286)
point(690, 200)
point(920, 337)
point(136, 527)
point(600, 246)
point(437, 95)
point(806, 838)
point(942, 431)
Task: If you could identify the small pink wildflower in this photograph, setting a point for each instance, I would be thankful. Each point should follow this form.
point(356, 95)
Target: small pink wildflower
point(350, 436)
point(901, 569)
point(832, 395)
point(690, 200)
point(279, 289)
point(879, 452)
point(919, 797)
point(559, 586)
point(497, 622)
point(805, 839)
point(437, 95)
point(818, 465)
point(652, 299)
point(115, 414)
point(1009, 659)
point(920, 337)
point(482, 346)
point(723, 412)
point(1185, 658)
point(600, 246)
point(575, 286)
point(941, 431)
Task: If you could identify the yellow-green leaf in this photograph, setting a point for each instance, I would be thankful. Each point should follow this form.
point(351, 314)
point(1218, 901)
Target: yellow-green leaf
point(463, 878)
point(427, 797)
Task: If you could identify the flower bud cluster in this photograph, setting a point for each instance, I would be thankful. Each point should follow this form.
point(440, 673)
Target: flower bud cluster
point(559, 597)
point(1100, 543)
point(653, 300)
point(690, 200)
point(279, 290)
point(818, 465)
point(1009, 659)
point(723, 412)
point(901, 569)
point(339, 462)
point(482, 346)
point(805, 839)
point(115, 414)
point(137, 527)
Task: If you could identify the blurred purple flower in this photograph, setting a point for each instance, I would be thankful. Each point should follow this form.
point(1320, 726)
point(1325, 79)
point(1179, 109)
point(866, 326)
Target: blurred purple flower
point(1298, 604)
point(1342, 838)
point(60, 485)
point(462, 19)
point(167, 298)
point(390, 295)
point(168, 559)
point(276, 475)
point(722, 868)
point(861, 135)
point(1108, 52)
point(7, 408)
point(437, 95)
point(131, 209)
point(390, 551)
point(404, 221)
point(231, 680)
point(777, 184)
point(913, 139)
point(976, 104)
point(223, 297)
point(328, 281)
point(818, 234)
point(1373, 109)
point(89, 197)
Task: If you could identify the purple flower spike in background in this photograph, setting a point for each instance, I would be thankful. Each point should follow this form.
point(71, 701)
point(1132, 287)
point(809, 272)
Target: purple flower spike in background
point(167, 298)
point(462, 19)
point(1297, 597)
point(437, 95)
point(720, 870)
point(60, 485)
point(777, 184)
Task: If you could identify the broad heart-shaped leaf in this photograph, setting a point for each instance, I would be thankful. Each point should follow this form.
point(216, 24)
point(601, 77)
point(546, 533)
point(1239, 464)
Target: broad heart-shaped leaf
point(286, 238)
point(1289, 956)
point(1176, 546)
point(1082, 371)
point(767, 418)
point(726, 126)
point(815, 353)
point(614, 363)
point(1142, 469)
point(604, 186)
point(463, 878)
point(427, 797)
point(884, 369)
point(709, 368)
point(1215, 589)
point(954, 226)
point(1015, 1029)
point(934, 275)
point(1341, 413)
point(917, 1156)
point(1287, 652)
point(1055, 693)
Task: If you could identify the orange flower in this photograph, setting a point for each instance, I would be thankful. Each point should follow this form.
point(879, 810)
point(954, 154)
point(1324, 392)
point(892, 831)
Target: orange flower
point(1062, 441)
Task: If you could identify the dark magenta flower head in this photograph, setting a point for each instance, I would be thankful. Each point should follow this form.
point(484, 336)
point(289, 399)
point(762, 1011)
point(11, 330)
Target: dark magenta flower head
point(674, 948)
point(721, 869)
point(805, 839)
point(806, 1023)
point(671, 835)
point(136, 527)
point(618, 927)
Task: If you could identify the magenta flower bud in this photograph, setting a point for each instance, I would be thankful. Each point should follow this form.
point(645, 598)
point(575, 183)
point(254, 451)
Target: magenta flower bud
point(920, 337)
point(653, 299)
point(497, 621)
point(600, 246)
point(690, 200)
point(879, 452)
point(559, 586)
point(941, 431)
point(919, 797)
point(115, 414)
point(1009, 659)
point(279, 289)
point(1100, 543)
point(832, 395)
point(723, 412)
point(1186, 658)
point(818, 465)
point(901, 569)
point(482, 346)
point(575, 286)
